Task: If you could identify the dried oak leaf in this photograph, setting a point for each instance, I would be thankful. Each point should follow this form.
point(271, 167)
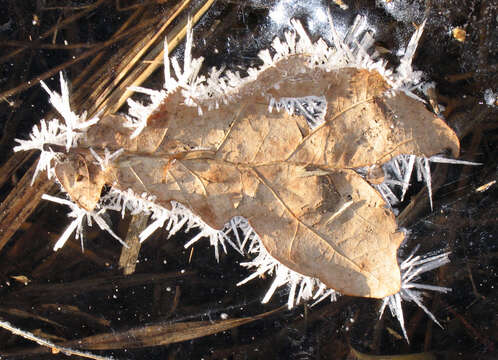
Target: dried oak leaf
point(295, 185)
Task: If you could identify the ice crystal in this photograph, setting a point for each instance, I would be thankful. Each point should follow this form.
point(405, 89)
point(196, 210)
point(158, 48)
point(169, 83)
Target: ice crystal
point(279, 13)
point(411, 290)
point(216, 237)
point(75, 125)
point(176, 219)
point(313, 108)
point(354, 49)
point(398, 172)
point(108, 157)
point(406, 78)
point(490, 97)
point(186, 79)
point(79, 214)
point(55, 133)
point(127, 200)
point(48, 133)
point(301, 287)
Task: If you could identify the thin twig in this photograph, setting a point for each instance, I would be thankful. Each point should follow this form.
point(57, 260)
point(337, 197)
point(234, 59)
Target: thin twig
point(55, 348)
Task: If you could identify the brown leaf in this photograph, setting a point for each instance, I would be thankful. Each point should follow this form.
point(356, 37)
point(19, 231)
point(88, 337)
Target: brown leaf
point(295, 185)
point(81, 179)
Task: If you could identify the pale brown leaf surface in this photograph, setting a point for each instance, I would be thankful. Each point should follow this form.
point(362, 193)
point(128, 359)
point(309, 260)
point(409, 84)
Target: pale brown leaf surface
point(295, 185)
point(81, 179)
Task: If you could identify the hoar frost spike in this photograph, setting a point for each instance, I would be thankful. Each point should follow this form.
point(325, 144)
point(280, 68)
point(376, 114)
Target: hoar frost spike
point(280, 165)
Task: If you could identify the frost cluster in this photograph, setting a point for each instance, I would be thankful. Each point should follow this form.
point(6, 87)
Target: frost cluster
point(398, 173)
point(80, 215)
point(411, 269)
point(174, 220)
point(490, 98)
point(54, 133)
point(352, 49)
point(313, 108)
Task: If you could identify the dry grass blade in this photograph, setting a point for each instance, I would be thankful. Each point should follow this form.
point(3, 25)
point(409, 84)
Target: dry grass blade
point(20, 203)
point(28, 315)
point(12, 165)
point(163, 334)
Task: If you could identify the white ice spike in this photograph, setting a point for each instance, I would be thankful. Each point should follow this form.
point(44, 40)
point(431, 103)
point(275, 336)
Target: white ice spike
point(411, 290)
point(79, 214)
